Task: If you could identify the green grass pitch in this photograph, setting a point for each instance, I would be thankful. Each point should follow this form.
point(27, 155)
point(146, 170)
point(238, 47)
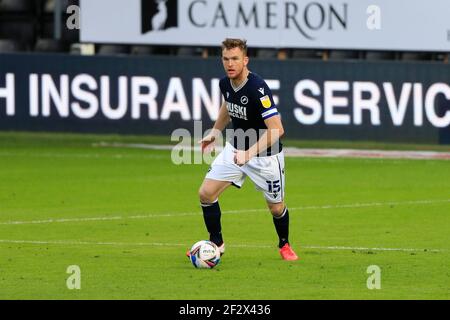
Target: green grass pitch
point(126, 217)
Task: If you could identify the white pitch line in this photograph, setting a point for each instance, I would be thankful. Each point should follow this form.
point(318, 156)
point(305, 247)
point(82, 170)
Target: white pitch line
point(373, 249)
point(67, 242)
point(83, 155)
point(160, 244)
point(163, 215)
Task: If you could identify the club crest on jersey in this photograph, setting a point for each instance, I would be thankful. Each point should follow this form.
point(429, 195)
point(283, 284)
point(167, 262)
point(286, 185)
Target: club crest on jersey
point(266, 103)
point(261, 90)
point(244, 100)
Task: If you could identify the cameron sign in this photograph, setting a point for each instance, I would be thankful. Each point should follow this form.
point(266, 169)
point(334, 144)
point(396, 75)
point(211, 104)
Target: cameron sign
point(340, 24)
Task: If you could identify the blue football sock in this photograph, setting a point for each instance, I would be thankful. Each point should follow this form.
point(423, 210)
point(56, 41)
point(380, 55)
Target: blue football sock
point(282, 227)
point(211, 215)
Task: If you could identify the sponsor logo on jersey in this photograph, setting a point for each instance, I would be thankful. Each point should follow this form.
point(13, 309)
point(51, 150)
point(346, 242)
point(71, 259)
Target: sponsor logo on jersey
point(265, 101)
point(261, 90)
point(244, 100)
point(237, 111)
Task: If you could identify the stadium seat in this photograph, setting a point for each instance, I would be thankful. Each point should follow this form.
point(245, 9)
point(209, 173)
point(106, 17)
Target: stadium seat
point(8, 46)
point(189, 51)
point(214, 52)
point(46, 29)
point(165, 50)
point(49, 5)
point(439, 56)
point(17, 6)
point(71, 36)
point(415, 56)
point(142, 50)
point(343, 55)
point(75, 48)
point(50, 45)
point(82, 48)
point(113, 49)
point(380, 55)
point(306, 54)
point(18, 29)
point(267, 53)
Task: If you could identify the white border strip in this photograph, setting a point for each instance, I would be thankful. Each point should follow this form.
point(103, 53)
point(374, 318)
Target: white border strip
point(160, 244)
point(308, 153)
point(164, 215)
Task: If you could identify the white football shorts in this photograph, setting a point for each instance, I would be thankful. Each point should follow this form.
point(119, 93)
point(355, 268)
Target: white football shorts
point(267, 173)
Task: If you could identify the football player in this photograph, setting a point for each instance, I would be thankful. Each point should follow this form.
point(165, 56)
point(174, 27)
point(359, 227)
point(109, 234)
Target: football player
point(255, 149)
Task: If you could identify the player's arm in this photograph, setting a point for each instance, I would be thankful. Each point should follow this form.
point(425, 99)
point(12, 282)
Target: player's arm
point(222, 121)
point(273, 133)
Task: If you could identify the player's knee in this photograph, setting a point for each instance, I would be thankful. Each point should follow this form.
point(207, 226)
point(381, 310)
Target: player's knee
point(276, 209)
point(206, 196)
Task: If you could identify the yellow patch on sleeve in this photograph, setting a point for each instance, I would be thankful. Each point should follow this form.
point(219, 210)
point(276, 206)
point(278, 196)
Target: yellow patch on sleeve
point(266, 102)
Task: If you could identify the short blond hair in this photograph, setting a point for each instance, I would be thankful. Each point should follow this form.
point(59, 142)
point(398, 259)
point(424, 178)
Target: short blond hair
point(230, 43)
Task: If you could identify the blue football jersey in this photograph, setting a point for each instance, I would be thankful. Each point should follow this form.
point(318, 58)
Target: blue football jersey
point(248, 106)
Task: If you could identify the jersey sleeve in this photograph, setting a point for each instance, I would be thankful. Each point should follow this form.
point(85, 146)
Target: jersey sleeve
point(264, 99)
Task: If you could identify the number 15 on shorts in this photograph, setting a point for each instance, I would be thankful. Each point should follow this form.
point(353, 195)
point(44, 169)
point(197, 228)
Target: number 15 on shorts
point(273, 186)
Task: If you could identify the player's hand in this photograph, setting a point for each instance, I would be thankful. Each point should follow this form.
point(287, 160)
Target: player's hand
point(241, 157)
point(207, 143)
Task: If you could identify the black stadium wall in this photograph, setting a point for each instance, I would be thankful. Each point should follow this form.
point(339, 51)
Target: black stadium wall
point(350, 100)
